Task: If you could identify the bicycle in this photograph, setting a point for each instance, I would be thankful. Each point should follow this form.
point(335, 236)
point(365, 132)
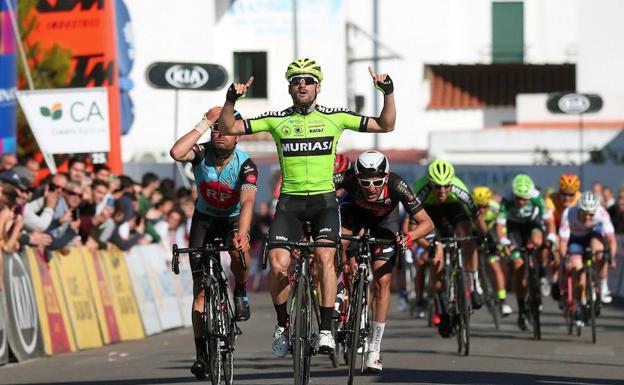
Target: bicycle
point(533, 295)
point(358, 324)
point(486, 277)
point(303, 302)
point(459, 306)
point(220, 328)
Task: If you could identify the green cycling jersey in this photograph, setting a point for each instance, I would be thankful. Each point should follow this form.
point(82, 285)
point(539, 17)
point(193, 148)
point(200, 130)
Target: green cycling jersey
point(306, 144)
point(491, 214)
point(457, 194)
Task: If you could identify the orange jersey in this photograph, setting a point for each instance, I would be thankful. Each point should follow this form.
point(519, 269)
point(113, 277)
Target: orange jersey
point(553, 204)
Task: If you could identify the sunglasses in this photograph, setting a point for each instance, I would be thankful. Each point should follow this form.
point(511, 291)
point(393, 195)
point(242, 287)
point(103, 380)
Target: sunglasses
point(566, 195)
point(441, 187)
point(72, 193)
point(373, 182)
point(520, 198)
point(215, 129)
point(308, 80)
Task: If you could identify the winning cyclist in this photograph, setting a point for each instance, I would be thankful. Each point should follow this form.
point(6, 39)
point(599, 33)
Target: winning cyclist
point(449, 204)
point(226, 183)
point(306, 135)
point(482, 196)
point(587, 225)
point(372, 200)
point(521, 221)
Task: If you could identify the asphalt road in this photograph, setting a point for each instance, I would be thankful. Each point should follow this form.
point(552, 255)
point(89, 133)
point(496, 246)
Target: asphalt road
point(412, 354)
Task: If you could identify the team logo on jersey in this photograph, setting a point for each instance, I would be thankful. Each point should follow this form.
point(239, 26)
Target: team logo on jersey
point(286, 130)
point(251, 178)
point(298, 130)
point(308, 146)
point(218, 195)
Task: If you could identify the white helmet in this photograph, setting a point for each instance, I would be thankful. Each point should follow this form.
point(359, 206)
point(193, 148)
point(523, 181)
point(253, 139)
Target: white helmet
point(589, 202)
point(372, 164)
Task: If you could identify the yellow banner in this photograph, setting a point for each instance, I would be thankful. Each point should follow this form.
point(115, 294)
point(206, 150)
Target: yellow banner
point(53, 317)
point(124, 303)
point(72, 275)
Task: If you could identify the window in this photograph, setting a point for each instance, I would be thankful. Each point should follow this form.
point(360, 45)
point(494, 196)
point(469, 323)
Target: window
point(507, 32)
point(247, 64)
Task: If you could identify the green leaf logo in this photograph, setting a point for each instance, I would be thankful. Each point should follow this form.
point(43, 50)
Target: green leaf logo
point(45, 111)
point(56, 115)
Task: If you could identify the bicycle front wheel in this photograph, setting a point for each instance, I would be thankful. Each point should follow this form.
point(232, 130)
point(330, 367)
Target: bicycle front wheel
point(301, 343)
point(227, 351)
point(463, 335)
point(591, 297)
point(213, 329)
point(534, 302)
point(355, 326)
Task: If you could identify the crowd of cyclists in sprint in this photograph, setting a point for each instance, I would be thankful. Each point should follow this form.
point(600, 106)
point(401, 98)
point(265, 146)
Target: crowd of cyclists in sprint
point(337, 228)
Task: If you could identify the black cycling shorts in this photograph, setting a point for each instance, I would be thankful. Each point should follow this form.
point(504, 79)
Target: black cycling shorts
point(292, 211)
point(204, 229)
point(354, 218)
point(520, 234)
point(446, 217)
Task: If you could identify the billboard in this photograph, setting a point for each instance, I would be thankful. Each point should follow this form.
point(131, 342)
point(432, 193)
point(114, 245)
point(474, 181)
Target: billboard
point(8, 78)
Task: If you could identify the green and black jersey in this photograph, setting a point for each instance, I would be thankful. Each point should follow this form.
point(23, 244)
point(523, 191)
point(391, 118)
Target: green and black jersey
point(458, 193)
point(306, 144)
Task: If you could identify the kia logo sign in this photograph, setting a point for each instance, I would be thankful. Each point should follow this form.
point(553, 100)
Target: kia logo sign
point(187, 76)
point(574, 104)
point(183, 76)
point(21, 303)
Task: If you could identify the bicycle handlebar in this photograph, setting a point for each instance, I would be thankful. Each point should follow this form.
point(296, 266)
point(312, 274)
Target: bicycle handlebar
point(203, 250)
point(369, 240)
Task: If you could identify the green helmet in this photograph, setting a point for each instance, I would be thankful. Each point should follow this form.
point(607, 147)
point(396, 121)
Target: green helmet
point(522, 186)
point(304, 67)
point(440, 172)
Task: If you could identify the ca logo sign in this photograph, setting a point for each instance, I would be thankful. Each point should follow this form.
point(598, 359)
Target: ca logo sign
point(55, 113)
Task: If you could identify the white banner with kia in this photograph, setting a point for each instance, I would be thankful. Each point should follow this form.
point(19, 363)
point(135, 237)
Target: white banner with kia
point(69, 120)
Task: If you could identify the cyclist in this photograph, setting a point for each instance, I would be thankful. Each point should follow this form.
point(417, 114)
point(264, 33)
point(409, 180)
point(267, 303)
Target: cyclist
point(449, 204)
point(557, 201)
point(587, 225)
point(372, 196)
point(226, 182)
point(306, 135)
point(520, 222)
point(482, 196)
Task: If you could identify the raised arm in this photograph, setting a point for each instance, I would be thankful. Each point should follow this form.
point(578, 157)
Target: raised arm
point(182, 150)
point(228, 125)
point(387, 118)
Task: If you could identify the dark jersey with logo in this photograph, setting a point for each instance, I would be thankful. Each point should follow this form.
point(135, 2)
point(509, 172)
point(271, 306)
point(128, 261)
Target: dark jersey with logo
point(219, 192)
point(306, 144)
point(395, 191)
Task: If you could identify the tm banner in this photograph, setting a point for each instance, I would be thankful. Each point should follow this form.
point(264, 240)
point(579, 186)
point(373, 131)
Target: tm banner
point(68, 121)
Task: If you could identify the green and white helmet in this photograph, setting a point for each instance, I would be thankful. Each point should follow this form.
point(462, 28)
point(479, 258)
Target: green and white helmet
point(440, 172)
point(522, 186)
point(304, 67)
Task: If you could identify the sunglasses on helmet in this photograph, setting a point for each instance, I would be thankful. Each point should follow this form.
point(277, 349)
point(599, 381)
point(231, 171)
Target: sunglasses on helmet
point(307, 79)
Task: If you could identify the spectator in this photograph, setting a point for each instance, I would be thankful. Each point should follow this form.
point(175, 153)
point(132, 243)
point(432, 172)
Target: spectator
point(101, 172)
point(616, 212)
point(607, 197)
point(7, 161)
point(39, 212)
point(149, 184)
point(77, 168)
point(597, 190)
point(11, 221)
point(172, 230)
point(96, 211)
point(33, 166)
point(65, 225)
point(128, 229)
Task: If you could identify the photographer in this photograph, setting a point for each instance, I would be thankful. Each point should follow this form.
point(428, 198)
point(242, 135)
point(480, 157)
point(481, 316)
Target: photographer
point(66, 222)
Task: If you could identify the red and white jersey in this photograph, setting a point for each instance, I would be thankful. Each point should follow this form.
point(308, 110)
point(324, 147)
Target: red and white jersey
point(571, 224)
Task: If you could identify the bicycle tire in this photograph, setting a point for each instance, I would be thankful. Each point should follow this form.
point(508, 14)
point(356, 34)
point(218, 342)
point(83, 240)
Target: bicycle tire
point(591, 295)
point(212, 331)
point(534, 293)
point(355, 321)
point(227, 354)
point(333, 357)
point(491, 301)
point(464, 315)
point(301, 354)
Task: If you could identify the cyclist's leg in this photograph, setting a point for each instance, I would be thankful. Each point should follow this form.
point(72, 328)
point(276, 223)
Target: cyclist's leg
point(518, 236)
point(463, 228)
point(241, 301)
point(597, 245)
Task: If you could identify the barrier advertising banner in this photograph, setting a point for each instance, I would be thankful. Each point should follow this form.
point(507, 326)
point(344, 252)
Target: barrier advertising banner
point(68, 121)
point(8, 79)
point(143, 291)
point(184, 289)
point(102, 297)
point(87, 29)
point(70, 272)
point(53, 318)
point(163, 288)
point(124, 303)
point(22, 328)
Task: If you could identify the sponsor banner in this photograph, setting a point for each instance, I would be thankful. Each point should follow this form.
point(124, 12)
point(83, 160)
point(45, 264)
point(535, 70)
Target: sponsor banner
point(143, 291)
point(124, 303)
point(87, 29)
point(68, 121)
point(101, 295)
point(8, 79)
point(163, 287)
point(53, 317)
point(22, 328)
point(71, 273)
point(187, 76)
